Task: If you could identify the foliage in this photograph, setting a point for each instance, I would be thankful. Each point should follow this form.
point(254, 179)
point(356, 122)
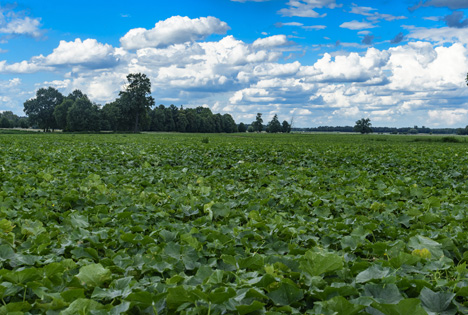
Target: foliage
point(137, 97)
point(40, 109)
point(251, 224)
point(286, 127)
point(274, 126)
point(4, 122)
point(363, 126)
point(83, 116)
point(242, 127)
point(257, 125)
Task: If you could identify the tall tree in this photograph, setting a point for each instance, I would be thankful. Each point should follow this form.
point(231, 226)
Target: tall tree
point(137, 97)
point(83, 116)
point(274, 126)
point(258, 123)
point(363, 125)
point(242, 127)
point(41, 108)
point(61, 112)
point(286, 127)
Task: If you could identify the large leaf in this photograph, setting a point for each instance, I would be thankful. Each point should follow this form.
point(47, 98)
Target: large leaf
point(404, 307)
point(82, 306)
point(94, 275)
point(383, 293)
point(374, 272)
point(437, 302)
point(286, 294)
point(315, 264)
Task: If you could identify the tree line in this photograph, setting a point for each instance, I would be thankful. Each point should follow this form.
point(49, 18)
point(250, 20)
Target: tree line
point(131, 111)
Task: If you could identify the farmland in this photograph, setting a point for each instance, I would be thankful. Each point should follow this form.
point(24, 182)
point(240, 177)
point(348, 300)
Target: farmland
point(232, 224)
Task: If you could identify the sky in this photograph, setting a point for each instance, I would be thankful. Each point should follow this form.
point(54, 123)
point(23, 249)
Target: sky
point(313, 62)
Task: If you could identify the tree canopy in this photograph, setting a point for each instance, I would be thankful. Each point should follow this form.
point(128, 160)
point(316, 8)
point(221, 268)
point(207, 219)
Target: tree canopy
point(363, 125)
point(40, 109)
point(137, 97)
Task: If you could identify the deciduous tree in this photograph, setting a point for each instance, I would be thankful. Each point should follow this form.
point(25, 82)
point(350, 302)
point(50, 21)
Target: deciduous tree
point(137, 97)
point(41, 108)
point(363, 125)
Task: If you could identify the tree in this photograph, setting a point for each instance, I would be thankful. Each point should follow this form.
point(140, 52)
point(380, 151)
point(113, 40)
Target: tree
point(136, 96)
point(41, 108)
point(286, 127)
point(83, 116)
point(228, 123)
point(61, 112)
point(182, 122)
point(4, 122)
point(363, 125)
point(274, 126)
point(242, 127)
point(466, 80)
point(257, 125)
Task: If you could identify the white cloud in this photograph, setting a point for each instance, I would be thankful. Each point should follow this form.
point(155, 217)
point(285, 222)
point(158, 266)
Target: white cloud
point(356, 25)
point(373, 15)
point(306, 8)
point(174, 30)
point(438, 35)
point(22, 67)
point(16, 23)
point(85, 53)
point(22, 26)
point(270, 42)
point(448, 117)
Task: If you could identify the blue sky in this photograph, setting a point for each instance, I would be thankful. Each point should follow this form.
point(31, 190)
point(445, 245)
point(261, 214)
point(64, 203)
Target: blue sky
point(318, 62)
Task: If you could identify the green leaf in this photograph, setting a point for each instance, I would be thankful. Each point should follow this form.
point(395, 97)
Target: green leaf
point(6, 252)
point(178, 296)
point(94, 275)
point(15, 308)
point(374, 272)
point(422, 242)
point(437, 302)
point(286, 294)
point(404, 307)
point(82, 306)
point(71, 295)
point(340, 305)
point(383, 293)
point(246, 309)
point(23, 276)
point(315, 264)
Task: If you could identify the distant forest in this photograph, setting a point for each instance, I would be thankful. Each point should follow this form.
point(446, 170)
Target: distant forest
point(388, 130)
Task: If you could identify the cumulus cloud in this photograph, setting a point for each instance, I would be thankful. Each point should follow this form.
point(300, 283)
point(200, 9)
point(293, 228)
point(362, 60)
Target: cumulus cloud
point(448, 117)
point(22, 67)
point(174, 30)
point(440, 36)
point(356, 25)
point(270, 42)
point(306, 8)
point(16, 23)
point(89, 53)
point(22, 26)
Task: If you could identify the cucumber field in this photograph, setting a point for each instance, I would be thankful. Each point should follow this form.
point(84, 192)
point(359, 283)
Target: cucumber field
point(166, 223)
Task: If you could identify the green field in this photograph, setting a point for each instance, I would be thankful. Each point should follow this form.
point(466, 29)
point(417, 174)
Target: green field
point(233, 224)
